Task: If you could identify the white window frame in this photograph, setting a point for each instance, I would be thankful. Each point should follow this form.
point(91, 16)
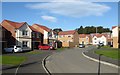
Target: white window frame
point(24, 43)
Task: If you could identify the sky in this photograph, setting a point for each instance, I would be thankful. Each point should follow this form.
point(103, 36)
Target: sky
point(65, 15)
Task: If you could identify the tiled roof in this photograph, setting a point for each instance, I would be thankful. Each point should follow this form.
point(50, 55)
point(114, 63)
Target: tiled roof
point(43, 27)
point(66, 32)
point(33, 29)
point(100, 35)
point(84, 35)
point(114, 27)
point(14, 24)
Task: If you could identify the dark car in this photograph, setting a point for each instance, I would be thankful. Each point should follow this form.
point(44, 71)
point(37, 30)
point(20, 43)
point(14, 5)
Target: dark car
point(81, 46)
point(45, 47)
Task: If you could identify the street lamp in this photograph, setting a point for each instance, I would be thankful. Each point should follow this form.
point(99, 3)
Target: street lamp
point(99, 64)
point(96, 30)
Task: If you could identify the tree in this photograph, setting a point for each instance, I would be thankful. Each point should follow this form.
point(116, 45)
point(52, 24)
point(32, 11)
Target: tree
point(80, 30)
point(92, 29)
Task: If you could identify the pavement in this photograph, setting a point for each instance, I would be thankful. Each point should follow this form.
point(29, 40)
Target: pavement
point(32, 65)
point(72, 61)
point(91, 54)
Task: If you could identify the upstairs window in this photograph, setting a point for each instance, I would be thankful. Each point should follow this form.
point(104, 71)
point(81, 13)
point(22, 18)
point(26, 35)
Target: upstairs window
point(95, 39)
point(24, 32)
point(38, 35)
point(33, 34)
point(69, 36)
point(60, 36)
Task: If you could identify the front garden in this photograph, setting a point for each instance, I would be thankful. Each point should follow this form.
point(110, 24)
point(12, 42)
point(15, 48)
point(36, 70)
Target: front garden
point(109, 52)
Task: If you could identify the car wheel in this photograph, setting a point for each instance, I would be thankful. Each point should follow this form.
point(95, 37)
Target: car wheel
point(39, 48)
point(49, 49)
point(13, 51)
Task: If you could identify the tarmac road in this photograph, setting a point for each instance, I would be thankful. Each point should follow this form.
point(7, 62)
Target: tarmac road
point(72, 61)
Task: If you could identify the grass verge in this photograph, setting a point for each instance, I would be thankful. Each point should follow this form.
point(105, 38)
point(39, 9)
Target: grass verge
point(12, 60)
point(60, 49)
point(112, 53)
point(0, 59)
point(106, 47)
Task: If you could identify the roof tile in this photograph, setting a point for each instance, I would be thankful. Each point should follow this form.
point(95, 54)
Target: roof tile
point(66, 32)
point(43, 27)
point(14, 24)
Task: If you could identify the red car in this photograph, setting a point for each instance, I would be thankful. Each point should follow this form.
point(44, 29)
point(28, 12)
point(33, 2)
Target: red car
point(45, 47)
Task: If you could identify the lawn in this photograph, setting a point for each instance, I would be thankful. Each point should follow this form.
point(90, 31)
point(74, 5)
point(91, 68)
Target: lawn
point(12, 60)
point(62, 48)
point(112, 53)
point(0, 59)
point(106, 47)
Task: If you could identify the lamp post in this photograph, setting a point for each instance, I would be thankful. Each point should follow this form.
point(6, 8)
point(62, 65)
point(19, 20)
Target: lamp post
point(96, 30)
point(119, 36)
point(99, 64)
point(57, 41)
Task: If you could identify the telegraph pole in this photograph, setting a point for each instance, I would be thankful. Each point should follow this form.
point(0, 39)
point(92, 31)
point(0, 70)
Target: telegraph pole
point(96, 30)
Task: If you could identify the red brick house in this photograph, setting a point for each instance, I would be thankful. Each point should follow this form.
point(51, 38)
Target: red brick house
point(49, 36)
point(69, 38)
point(37, 38)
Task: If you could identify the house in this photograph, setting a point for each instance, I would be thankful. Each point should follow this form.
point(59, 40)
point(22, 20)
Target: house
point(0, 37)
point(5, 36)
point(85, 39)
point(69, 38)
point(37, 38)
point(119, 37)
point(102, 38)
point(109, 38)
point(115, 35)
point(49, 36)
point(20, 34)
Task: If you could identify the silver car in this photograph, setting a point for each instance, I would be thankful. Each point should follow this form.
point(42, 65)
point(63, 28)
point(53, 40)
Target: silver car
point(81, 45)
point(13, 49)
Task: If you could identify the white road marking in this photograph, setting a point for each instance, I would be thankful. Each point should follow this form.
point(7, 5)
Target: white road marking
point(44, 65)
point(18, 68)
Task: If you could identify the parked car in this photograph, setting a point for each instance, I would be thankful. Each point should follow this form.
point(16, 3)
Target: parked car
point(45, 47)
point(101, 44)
point(13, 49)
point(81, 46)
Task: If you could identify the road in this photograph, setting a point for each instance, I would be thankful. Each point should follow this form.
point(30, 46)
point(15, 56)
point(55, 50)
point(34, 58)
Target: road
point(32, 66)
point(72, 61)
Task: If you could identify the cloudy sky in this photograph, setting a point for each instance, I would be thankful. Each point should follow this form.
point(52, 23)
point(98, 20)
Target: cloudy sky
point(66, 15)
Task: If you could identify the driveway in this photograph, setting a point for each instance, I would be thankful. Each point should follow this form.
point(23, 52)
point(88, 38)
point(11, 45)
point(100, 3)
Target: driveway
point(31, 65)
point(72, 61)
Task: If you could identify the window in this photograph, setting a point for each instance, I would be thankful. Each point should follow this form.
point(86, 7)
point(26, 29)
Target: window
point(69, 36)
point(50, 34)
point(24, 43)
point(87, 38)
point(24, 32)
point(60, 36)
point(38, 35)
point(33, 34)
point(69, 41)
point(95, 38)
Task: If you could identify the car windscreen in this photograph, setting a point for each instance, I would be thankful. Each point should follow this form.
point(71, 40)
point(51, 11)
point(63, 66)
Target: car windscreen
point(18, 46)
point(11, 46)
